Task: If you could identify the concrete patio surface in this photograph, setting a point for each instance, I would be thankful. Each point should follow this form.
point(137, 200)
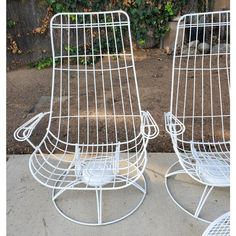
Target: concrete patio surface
point(30, 211)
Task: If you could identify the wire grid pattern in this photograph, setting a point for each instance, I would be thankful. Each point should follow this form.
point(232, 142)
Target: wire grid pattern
point(97, 134)
point(219, 227)
point(199, 117)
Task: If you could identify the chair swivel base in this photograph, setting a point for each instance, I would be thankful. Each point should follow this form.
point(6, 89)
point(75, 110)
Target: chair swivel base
point(58, 198)
point(206, 192)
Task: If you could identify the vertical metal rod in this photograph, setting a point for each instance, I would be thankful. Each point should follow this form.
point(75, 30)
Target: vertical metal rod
point(203, 199)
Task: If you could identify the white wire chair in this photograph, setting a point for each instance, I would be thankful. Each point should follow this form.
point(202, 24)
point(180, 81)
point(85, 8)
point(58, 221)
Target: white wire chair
point(219, 227)
point(97, 133)
point(199, 118)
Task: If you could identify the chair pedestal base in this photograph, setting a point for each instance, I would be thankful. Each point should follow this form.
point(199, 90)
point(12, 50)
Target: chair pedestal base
point(206, 192)
point(58, 197)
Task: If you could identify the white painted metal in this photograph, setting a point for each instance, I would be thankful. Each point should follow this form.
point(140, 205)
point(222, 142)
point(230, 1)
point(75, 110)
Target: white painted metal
point(219, 227)
point(94, 98)
point(199, 117)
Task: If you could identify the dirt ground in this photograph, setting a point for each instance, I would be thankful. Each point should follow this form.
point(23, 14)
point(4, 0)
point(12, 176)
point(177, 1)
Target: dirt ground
point(26, 86)
point(29, 90)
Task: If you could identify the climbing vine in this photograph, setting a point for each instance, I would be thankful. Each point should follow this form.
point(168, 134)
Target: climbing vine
point(145, 15)
point(149, 18)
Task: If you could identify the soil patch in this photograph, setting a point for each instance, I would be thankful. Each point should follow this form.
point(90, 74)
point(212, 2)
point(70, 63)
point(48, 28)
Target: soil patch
point(29, 90)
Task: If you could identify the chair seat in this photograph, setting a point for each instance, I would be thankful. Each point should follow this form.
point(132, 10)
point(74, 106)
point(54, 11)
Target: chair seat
point(219, 227)
point(97, 173)
point(213, 171)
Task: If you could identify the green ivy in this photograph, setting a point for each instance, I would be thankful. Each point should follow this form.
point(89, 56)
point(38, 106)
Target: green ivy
point(95, 50)
point(145, 16)
point(169, 8)
point(152, 15)
point(11, 23)
point(43, 63)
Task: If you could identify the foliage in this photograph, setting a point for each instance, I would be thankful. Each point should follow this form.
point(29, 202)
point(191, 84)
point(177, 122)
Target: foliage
point(95, 50)
point(150, 16)
point(42, 63)
point(11, 23)
point(74, 5)
point(145, 15)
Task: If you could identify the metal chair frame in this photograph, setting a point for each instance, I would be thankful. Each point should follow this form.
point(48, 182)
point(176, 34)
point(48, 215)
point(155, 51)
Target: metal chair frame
point(201, 80)
point(219, 227)
point(90, 51)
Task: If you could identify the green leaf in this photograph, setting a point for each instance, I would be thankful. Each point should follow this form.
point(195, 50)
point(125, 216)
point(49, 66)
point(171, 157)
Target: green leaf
point(169, 8)
point(138, 2)
point(50, 2)
point(141, 42)
point(59, 7)
point(155, 10)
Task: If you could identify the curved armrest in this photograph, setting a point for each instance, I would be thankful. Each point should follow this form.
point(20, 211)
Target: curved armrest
point(149, 128)
point(173, 125)
point(24, 131)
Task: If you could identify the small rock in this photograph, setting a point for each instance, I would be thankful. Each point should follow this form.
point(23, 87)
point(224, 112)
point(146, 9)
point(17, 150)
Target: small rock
point(221, 48)
point(168, 50)
point(189, 51)
point(203, 48)
point(186, 49)
point(193, 44)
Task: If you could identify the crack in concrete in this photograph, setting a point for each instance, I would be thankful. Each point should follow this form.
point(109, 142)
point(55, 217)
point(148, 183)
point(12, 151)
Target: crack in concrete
point(155, 172)
point(45, 226)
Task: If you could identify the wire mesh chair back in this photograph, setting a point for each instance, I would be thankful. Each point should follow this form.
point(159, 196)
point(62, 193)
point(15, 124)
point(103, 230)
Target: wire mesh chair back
point(200, 96)
point(94, 87)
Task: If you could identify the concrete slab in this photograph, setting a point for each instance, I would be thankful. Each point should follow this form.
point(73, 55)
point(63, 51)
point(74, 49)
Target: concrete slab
point(30, 211)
